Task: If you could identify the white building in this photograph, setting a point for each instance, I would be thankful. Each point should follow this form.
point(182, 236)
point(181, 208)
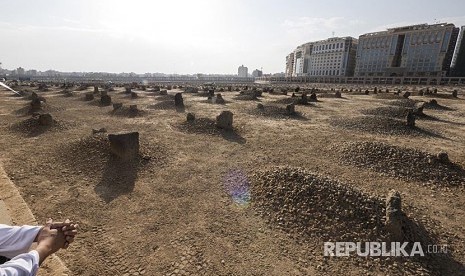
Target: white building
point(242, 71)
point(333, 57)
point(257, 73)
point(301, 58)
point(290, 65)
point(330, 57)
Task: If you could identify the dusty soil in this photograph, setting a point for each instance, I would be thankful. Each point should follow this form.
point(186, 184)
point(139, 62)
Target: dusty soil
point(194, 202)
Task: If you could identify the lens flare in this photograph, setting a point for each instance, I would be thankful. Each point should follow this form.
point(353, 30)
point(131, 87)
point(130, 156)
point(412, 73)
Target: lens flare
point(237, 186)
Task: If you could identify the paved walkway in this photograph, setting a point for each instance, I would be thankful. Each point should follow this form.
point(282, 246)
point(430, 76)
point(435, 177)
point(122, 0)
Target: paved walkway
point(14, 210)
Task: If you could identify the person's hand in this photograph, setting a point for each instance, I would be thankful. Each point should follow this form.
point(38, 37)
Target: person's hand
point(49, 241)
point(67, 227)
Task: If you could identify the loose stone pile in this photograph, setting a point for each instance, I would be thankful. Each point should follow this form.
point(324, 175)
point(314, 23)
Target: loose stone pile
point(396, 111)
point(222, 125)
point(91, 154)
point(310, 205)
point(127, 111)
point(38, 124)
point(248, 95)
point(380, 125)
point(403, 163)
point(170, 102)
point(276, 111)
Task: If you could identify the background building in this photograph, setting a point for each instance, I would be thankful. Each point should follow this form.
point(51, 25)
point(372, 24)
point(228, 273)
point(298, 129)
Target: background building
point(257, 73)
point(290, 65)
point(330, 57)
point(458, 60)
point(417, 50)
point(301, 58)
point(333, 57)
point(243, 72)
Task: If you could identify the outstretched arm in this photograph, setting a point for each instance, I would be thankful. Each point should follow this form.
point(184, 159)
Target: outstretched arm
point(26, 264)
point(50, 239)
point(15, 240)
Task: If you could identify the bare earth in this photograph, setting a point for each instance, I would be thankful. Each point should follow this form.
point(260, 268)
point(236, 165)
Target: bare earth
point(173, 214)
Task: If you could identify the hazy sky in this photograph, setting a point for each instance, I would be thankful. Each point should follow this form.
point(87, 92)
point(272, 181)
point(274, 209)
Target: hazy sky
point(191, 36)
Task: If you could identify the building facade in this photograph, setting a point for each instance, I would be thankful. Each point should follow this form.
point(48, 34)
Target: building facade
point(333, 57)
point(243, 72)
point(301, 58)
point(257, 73)
point(417, 50)
point(330, 57)
point(458, 60)
point(289, 65)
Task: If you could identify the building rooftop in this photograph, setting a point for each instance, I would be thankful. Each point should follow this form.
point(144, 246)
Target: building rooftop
point(409, 28)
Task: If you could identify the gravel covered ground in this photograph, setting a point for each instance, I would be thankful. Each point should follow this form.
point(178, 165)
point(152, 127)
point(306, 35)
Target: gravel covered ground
point(182, 208)
point(312, 205)
point(166, 105)
point(404, 163)
point(381, 125)
point(31, 127)
point(275, 112)
point(125, 111)
point(387, 111)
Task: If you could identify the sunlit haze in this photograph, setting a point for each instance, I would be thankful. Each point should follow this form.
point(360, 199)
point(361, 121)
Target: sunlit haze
point(185, 36)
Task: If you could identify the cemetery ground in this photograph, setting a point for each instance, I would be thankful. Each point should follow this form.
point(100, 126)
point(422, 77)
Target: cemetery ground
point(257, 199)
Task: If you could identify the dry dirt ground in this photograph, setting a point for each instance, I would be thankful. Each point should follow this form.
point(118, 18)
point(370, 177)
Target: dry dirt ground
point(177, 211)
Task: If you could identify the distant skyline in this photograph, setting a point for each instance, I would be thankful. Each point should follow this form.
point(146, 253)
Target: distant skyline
point(189, 36)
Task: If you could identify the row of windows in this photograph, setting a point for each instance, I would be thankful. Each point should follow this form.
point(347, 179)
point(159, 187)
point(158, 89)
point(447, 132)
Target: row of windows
point(426, 37)
point(325, 73)
point(416, 38)
point(324, 68)
point(376, 42)
point(328, 46)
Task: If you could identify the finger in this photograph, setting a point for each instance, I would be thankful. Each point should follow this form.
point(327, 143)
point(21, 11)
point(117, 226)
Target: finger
point(60, 224)
point(69, 227)
point(70, 233)
point(53, 232)
point(69, 239)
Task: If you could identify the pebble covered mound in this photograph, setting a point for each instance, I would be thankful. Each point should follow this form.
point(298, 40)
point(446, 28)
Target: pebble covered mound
point(387, 96)
point(380, 125)
point(407, 103)
point(310, 205)
point(166, 105)
point(275, 112)
point(437, 106)
point(387, 111)
point(32, 128)
point(91, 154)
point(329, 94)
point(125, 111)
point(247, 96)
point(403, 163)
point(206, 126)
point(44, 108)
point(293, 100)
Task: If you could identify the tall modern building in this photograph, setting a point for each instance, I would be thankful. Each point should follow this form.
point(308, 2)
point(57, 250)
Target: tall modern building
point(257, 73)
point(330, 57)
point(458, 60)
point(242, 71)
point(417, 50)
point(290, 65)
point(301, 57)
point(333, 57)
